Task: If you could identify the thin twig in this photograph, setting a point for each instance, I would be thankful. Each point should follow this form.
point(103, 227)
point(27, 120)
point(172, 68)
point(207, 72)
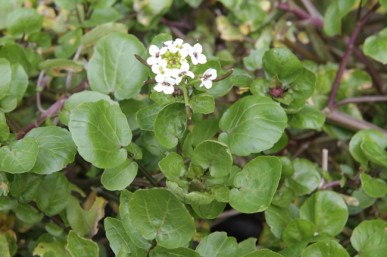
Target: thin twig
point(316, 21)
point(349, 122)
point(347, 54)
point(362, 99)
point(39, 87)
point(311, 9)
point(331, 184)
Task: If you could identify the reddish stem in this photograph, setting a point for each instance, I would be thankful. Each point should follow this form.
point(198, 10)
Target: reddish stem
point(316, 21)
point(347, 54)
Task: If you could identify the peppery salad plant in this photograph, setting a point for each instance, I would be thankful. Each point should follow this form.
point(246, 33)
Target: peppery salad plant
point(132, 128)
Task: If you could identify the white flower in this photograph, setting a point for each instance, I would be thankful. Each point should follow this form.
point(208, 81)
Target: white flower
point(208, 76)
point(166, 85)
point(183, 71)
point(182, 47)
point(196, 54)
point(155, 53)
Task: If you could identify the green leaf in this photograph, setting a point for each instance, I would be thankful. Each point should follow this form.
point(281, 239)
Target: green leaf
point(307, 118)
point(85, 221)
point(49, 246)
point(256, 184)
point(4, 246)
point(19, 82)
point(335, 12)
point(149, 13)
point(81, 247)
point(146, 116)
point(366, 135)
point(158, 214)
point(125, 209)
point(172, 166)
point(79, 98)
point(28, 214)
point(374, 152)
point(170, 125)
point(209, 211)
point(217, 244)
point(25, 186)
point(194, 3)
point(247, 246)
point(374, 46)
point(177, 252)
point(6, 7)
point(374, 187)
point(118, 178)
point(54, 202)
point(54, 66)
point(263, 253)
point(370, 238)
point(282, 63)
point(68, 43)
point(20, 156)
point(298, 231)
point(383, 3)
point(327, 210)
point(203, 103)
point(306, 177)
point(252, 124)
point(6, 75)
point(100, 131)
point(24, 21)
point(7, 203)
point(92, 36)
point(15, 54)
point(56, 149)
point(113, 67)
point(326, 248)
point(214, 156)
point(279, 217)
point(4, 129)
point(119, 240)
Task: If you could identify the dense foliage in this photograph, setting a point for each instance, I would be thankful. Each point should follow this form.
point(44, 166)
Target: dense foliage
point(132, 127)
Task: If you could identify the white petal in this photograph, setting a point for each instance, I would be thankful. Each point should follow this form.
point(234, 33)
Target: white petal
point(190, 74)
point(169, 90)
point(202, 59)
point(163, 50)
point(184, 67)
point(178, 80)
point(197, 48)
point(168, 43)
point(160, 78)
point(178, 41)
point(170, 80)
point(207, 83)
point(211, 73)
point(194, 60)
point(153, 50)
point(159, 88)
point(151, 60)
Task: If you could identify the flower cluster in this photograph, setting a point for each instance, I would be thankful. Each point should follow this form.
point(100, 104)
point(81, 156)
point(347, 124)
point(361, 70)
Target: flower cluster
point(171, 64)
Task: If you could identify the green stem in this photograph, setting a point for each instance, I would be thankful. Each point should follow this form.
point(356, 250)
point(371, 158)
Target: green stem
point(186, 102)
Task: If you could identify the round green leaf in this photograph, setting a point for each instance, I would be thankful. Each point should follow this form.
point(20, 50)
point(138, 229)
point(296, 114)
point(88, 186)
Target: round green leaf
point(158, 214)
point(79, 246)
point(256, 184)
point(375, 45)
point(79, 98)
point(306, 177)
point(4, 129)
point(370, 238)
point(281, 63)
point(217, 244)
point(178, 252)
point(5, 75)
point(170, 125)
point(297, 231)
point(327, 210)
point(214, 156)
point(374, 152)
point(100, 31)
point(373, 187)
point(57, 199)
point(263, 253)
point(307, 118)
point(279, 217)
point(114, 68)
point(146, 116)
point(326, 248)
point(56, 149)
point(118, 178)
point(252, 124)
point(19, 82)
point(100, 131)
point(172, 166)
point(209, 211)
point(20, 156)
point(28, 214)
point(24, 21)
point(202, 103)
point(367, 135)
